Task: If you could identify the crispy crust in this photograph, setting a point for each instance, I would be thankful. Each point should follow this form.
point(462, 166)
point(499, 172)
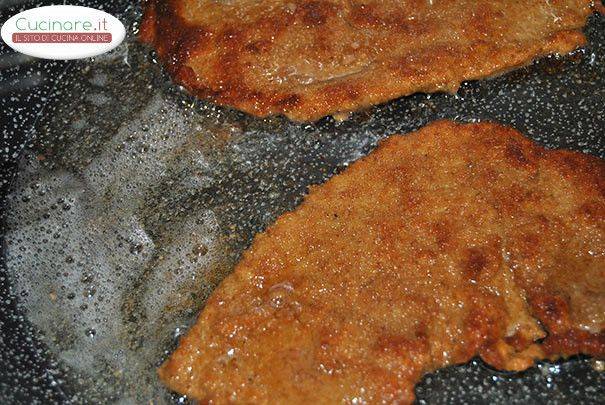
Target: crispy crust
point(454, 241)
point(310, 58)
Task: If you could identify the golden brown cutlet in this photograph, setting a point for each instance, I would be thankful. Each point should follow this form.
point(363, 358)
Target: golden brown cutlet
point(458, 240)
point(310, 58)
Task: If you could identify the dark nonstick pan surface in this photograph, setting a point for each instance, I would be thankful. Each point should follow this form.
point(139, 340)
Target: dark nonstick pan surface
point(125, 202)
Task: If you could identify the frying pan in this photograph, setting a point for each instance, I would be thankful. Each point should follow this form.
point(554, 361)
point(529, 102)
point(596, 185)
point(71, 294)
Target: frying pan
point(125, 202)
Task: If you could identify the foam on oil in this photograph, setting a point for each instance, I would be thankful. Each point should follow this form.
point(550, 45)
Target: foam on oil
point(105, 282)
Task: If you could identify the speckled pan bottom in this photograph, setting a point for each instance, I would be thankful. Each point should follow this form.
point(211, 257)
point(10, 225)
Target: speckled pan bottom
point(134, 200)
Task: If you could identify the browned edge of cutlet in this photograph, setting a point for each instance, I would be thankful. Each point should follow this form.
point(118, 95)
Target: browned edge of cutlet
point(177, 41)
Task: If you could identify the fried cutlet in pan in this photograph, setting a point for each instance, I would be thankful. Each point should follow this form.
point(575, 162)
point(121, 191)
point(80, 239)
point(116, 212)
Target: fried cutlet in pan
point(307, 59)
point(458, 240)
